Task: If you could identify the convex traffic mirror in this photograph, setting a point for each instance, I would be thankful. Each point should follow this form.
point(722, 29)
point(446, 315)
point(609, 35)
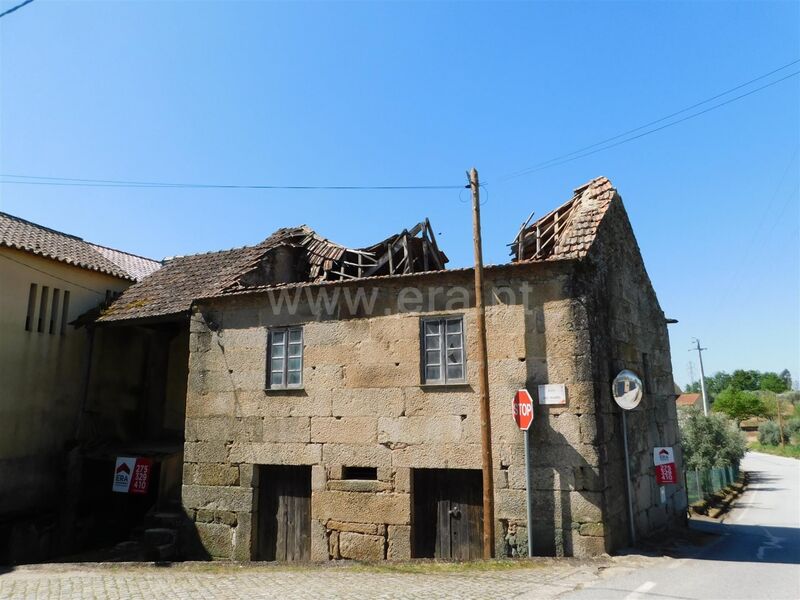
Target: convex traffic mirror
point(627, 390)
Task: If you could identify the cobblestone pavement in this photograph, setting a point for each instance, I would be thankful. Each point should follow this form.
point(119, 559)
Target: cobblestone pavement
point(540, 580)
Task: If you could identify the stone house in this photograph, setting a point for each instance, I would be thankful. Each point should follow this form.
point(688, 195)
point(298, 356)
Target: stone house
point(331, 408)
point(47, 279)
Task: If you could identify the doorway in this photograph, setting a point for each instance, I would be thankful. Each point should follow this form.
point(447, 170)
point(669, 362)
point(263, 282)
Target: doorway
point(447, 518)
point(284, 513)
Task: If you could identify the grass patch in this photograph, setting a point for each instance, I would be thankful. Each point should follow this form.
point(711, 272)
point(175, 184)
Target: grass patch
point(789, 451)
point(421, 566)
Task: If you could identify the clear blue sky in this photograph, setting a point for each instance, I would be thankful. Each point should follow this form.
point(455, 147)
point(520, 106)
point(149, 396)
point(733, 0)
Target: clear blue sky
point(416, 93)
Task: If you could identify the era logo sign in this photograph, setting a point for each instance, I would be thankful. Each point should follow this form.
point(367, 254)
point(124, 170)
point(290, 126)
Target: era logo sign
point(664, 460)
point(132, 475)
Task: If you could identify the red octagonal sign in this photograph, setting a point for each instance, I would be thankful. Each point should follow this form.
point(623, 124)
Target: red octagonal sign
point(522, 409)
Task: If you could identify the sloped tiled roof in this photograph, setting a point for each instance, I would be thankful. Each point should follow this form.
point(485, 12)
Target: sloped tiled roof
point(48, 243)
point(137, 266)
point(171, 289)
point(568, 231)
point(688, 399)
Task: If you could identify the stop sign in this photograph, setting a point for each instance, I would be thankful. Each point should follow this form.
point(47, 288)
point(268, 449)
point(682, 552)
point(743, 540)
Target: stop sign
point(522, 409)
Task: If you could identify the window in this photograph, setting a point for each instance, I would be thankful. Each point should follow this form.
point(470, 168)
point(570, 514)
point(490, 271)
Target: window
point(285, 358)
point(43, 309)
point(363, 473)
point(65, 313)
point(31, 307)
point(54, 310)
point(443, 350)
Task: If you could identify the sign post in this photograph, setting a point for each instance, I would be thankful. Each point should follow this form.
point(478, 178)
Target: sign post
point(627, 392)
point(522, 409)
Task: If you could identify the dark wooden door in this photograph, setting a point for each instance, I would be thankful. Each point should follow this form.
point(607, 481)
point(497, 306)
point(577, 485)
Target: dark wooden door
point(284, 513)
point(448, 514)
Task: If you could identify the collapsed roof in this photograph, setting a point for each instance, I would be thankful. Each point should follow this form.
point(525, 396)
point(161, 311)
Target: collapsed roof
point(290, 255)
point(299, 255)
point(568, 231)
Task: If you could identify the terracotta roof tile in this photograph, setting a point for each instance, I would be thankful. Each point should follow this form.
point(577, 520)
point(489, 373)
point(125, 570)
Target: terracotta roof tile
point(29, 237)
point(568, 231)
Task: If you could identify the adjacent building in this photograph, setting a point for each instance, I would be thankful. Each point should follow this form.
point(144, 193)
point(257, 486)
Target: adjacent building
point(48, 279)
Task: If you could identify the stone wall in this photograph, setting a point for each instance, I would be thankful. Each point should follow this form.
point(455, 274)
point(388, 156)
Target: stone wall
point(629, 331)
point(362, 404)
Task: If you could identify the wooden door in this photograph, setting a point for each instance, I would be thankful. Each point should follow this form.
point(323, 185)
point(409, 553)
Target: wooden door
point(284, 513)
point(448, 514)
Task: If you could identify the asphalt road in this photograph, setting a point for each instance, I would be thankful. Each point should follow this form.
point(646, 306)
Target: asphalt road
point(756, 556)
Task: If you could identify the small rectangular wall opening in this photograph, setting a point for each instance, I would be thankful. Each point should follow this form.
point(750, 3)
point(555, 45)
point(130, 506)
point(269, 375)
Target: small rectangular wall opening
point(43, 309)
point(54, 310)
point(65, 312)
point(363, 473)
point(31, 307)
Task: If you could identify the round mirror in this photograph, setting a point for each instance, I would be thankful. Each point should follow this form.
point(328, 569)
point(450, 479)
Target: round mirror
point(627, 389)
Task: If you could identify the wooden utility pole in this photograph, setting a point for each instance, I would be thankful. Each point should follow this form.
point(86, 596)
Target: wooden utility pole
point(780, 419)
point(483, 374)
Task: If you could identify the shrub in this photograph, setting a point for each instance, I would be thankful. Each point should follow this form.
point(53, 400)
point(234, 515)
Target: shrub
point(712, 441)
point(769, 434)
point(792, 429)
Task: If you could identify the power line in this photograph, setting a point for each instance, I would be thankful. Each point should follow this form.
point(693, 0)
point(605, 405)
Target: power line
point(69, 181)
point(51, 275)
point(580, 153)
point(17, 7)
point(554, 162)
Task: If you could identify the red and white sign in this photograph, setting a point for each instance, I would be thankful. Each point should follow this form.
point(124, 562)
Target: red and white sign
point(664, 460)
point(132, 475)
point(522, 409)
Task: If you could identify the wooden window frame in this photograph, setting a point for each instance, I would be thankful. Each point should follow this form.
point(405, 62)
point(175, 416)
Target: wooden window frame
point(442, 335)
point(272, 347)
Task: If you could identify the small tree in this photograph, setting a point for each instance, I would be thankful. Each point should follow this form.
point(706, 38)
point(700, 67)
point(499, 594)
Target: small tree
point(712, 441)
point(738, 405)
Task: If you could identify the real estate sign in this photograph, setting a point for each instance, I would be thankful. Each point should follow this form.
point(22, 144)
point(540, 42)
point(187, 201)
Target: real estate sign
point(664, 460)
point(132, 475)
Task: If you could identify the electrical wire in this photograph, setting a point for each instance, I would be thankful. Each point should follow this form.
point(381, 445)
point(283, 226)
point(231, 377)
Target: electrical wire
point(69, 181)
point(576, 154)
point(53, 276)
point(13, 8)
point(7, 178)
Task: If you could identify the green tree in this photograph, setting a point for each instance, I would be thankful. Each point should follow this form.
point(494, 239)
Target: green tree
point(739, 405)
point(745, 380)
point(787, 378)
point(709, 442)
point(717, 382)
point(772, 382)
